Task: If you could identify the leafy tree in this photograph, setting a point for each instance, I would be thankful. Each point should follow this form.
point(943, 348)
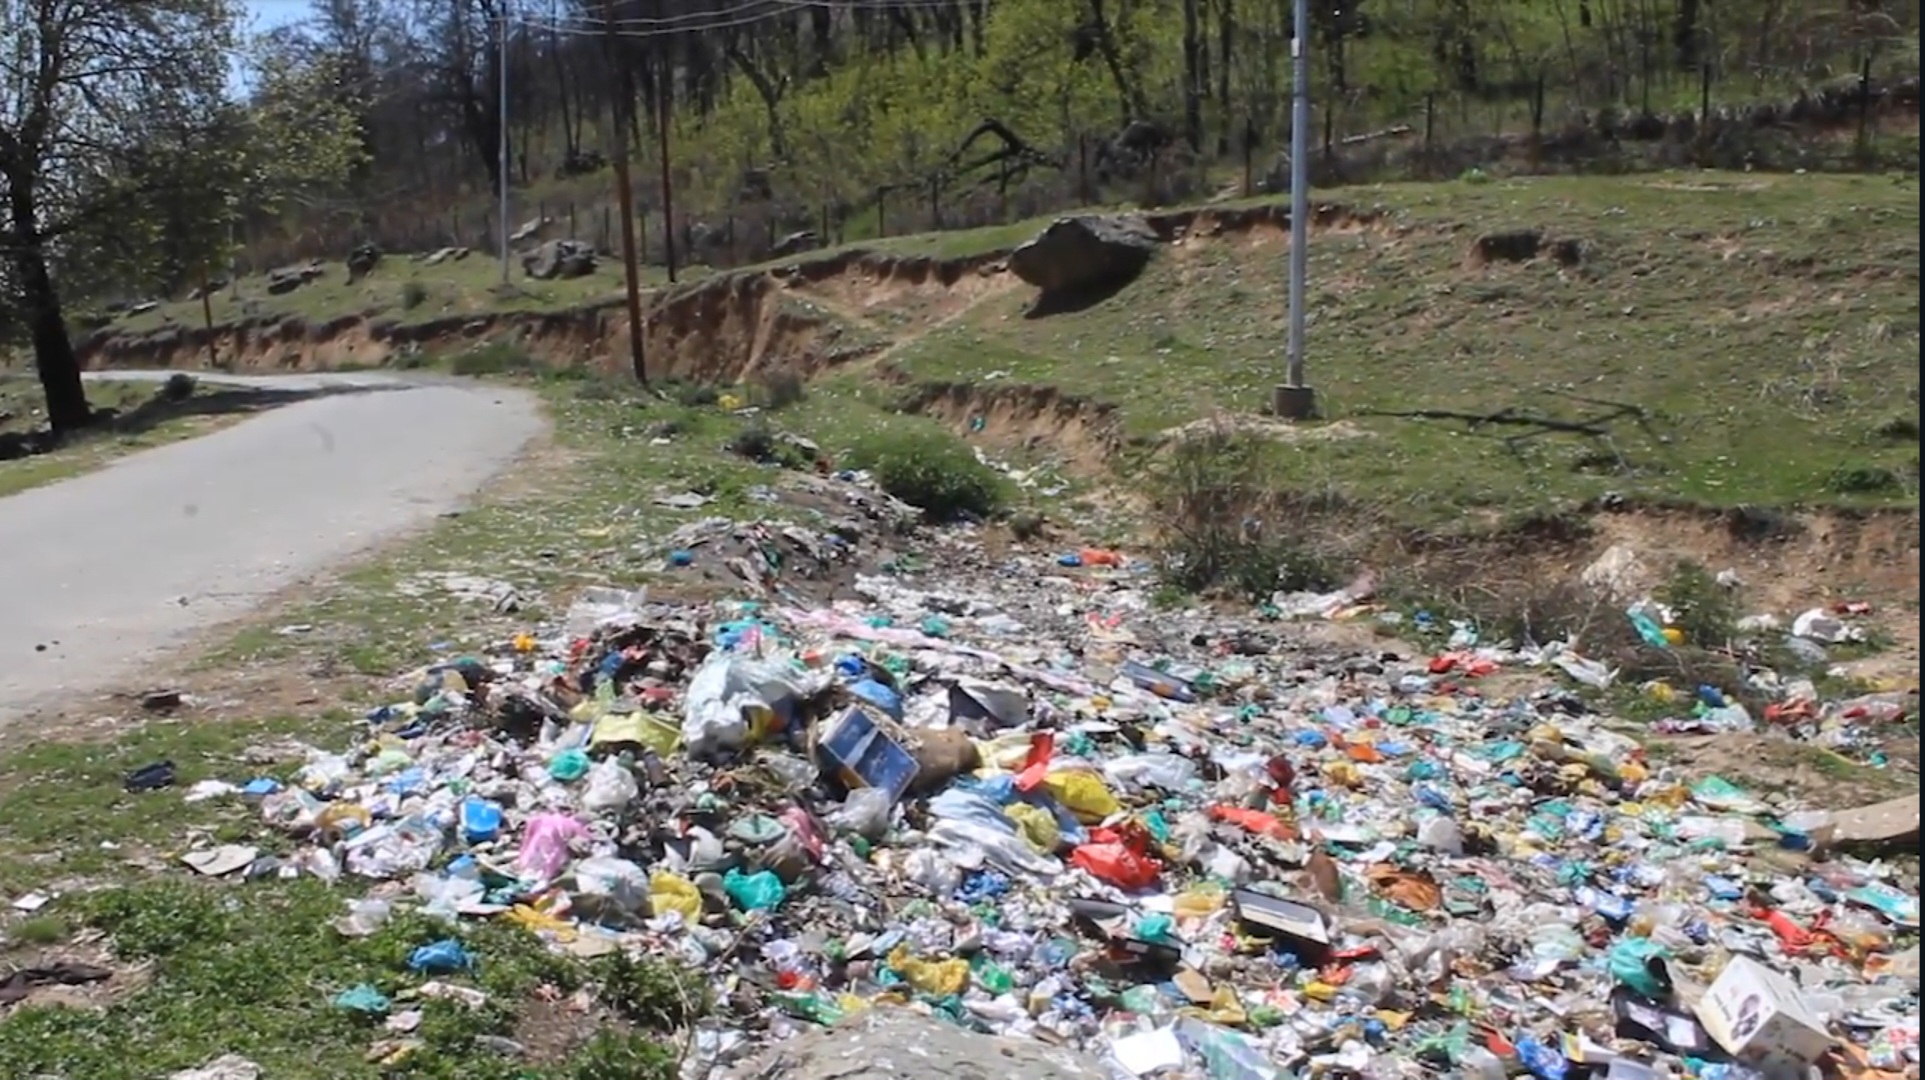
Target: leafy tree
point(95, 97)
point(124, 162)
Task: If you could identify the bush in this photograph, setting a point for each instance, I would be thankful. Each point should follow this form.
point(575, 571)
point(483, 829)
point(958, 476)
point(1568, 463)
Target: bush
point(1228, 524)
point(492, 358)
point(623, 1055)
point(932, 471)
point(653, 994)
point(413, 295)
point(691, 395)
point(1704, 610)
point(778, 389)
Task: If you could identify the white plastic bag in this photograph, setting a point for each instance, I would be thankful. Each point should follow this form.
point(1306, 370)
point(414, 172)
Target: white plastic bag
point(866, 813)
point(611, 885)
point(725, 686)
point(610, 788)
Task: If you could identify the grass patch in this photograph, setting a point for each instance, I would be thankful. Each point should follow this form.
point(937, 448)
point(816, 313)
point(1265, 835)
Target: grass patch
point(1721, 339)
point(931, 470)
point(587, 514)
point(145, 420)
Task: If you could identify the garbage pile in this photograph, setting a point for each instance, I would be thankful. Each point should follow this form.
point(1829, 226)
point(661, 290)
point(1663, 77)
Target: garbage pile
point(1043, 811)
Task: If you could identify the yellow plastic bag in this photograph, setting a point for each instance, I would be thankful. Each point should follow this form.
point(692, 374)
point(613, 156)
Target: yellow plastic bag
point(1199, 903)
point(642, 729)
point(669, 892)
point(540, 922)
point(937, 977)
point(1037, 825)
point(1083, 794)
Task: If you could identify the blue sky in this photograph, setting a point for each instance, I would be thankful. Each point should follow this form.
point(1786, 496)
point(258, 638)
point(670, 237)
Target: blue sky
point(270, 13)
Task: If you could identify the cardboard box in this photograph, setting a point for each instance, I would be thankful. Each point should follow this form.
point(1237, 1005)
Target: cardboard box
point(1757, 1014)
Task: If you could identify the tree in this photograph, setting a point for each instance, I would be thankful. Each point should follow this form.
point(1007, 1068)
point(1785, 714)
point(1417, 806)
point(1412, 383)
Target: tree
point(97, 97)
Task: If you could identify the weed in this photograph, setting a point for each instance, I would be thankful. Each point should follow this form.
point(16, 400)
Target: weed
point(1026, 525)
point(492, 358)
point(1900, 428)
point(1220, 512)
point(41, 930)
point(652, 994)
point(1706, 611)
point(623, 1055)
point(691, 395)
point(778, 389)
point(413, 295)
point(1863, 479)
point(932, 471)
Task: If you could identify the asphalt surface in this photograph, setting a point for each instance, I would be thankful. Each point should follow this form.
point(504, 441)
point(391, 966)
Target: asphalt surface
point(102, 574)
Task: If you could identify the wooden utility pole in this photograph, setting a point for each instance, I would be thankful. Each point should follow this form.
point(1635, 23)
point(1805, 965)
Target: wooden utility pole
point(625, 199)
point(662, 84)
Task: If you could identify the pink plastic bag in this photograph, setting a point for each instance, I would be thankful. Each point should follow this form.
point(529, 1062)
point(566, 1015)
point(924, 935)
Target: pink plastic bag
point(544, 844)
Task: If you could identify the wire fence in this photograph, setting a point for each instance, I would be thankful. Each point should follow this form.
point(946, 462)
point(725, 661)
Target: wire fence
point(1858, 123)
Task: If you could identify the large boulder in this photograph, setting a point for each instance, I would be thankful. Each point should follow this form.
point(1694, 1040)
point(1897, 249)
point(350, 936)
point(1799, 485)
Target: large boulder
point(362, 261)
point(888, 1043)
point(1078, 253)
point(559, 259)
point(286, 279)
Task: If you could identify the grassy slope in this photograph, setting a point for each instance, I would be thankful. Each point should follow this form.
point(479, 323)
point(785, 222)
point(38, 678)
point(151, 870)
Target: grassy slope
point(1767, 326)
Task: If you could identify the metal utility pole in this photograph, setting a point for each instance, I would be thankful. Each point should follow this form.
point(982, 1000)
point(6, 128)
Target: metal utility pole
point(501, 141)
point(1295, 400)
point(625, 200)
point(662, 113)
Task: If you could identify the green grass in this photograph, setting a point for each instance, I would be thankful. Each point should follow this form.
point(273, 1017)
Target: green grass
point(1765, 328)
point(400, 289)
point(22, 409)
point(587, 518)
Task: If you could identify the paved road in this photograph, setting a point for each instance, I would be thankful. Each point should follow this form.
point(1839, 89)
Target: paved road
point(94, 570)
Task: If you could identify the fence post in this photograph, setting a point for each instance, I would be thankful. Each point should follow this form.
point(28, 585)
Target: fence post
point(935, 202)
point(882, 213)
point(1249, 157)
point(1865, 107)
point(571, 219)
point(1430, 128)
point(1082, 169)
point(1537, 121)
point(606, 226)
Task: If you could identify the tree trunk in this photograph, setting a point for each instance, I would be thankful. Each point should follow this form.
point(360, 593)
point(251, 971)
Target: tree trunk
point(53, 350)
point(1226, 49)
point(1192, 77)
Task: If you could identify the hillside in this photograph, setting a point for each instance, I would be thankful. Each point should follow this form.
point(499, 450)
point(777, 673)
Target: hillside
point(1713, 339)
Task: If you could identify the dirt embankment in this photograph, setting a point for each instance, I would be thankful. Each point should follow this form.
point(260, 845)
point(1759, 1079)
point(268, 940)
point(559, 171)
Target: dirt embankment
point(805, 315)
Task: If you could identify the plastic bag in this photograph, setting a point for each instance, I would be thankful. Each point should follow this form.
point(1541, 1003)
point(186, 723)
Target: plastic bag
point(607, 882)
point(544, 844)
point(760, 891)
point(611, 787)
point(1630, 962)
point(1170, 772)
point(724, 690)
point(673, 893)
point(1116, 864)
point(939, 978)
point(865, 813)
point(1037, 825)
point(1083, 794)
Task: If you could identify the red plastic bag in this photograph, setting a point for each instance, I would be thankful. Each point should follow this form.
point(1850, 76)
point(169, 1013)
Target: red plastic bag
point(1116, 864)
point(1042, 747)
point(1255, 821)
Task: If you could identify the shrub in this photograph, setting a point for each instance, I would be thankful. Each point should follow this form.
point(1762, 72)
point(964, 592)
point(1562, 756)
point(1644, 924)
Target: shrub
point(492, 358)
point(654, 994)
point(623, 1055)
point(778, 389)
point(413, 295)
point(1704, 610)
point(932, 471)
point(691, 395)
point(1228, 524)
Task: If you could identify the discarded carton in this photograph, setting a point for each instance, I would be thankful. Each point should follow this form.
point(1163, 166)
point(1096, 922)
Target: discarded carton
point(1756, 1014)
point(1893, 822)
point(1301, 926)
point(855, 746)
